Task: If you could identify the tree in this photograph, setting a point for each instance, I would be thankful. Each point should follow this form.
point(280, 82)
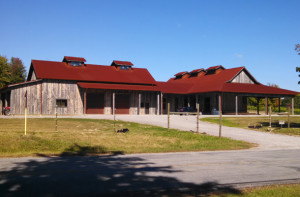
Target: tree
point(11, 72)
point(18, 71)
point(297, 49)
point(4, 72)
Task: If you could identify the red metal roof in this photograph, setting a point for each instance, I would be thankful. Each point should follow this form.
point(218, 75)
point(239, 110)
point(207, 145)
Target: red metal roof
point(181, 73)
point(76, 59)
point(89, 72)
point(215, 67)
point(123, 63)
point(218, 82)
point(197, 70)
point(118, 86)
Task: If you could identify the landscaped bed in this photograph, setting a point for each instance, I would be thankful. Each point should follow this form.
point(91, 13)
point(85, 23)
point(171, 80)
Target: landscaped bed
point(245, 122)
point(86, 136)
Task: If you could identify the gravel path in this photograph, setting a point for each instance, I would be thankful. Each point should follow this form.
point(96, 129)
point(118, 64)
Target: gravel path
point(265, 140)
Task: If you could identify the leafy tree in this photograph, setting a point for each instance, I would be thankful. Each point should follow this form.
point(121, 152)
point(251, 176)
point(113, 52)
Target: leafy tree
point(11, 72)
point(4, 72)
point(18, 71)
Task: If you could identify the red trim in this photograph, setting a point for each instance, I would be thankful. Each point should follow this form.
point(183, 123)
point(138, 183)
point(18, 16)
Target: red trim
point(117, 86)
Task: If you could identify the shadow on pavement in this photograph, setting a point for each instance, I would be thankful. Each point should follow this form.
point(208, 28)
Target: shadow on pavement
point(109, 175)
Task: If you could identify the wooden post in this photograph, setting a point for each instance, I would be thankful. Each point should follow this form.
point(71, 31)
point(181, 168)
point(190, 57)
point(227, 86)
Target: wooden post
point(270, 118)
point(289, 112)
point(157, 104)
point(168, 116)
point(279, 100)
point(293, 111)
point(85, 100)
point(140, 100)
point(257, 99)
point(266, 106)
point(236, 105)
point(41, 97)
point(220, 118)
point(161, 103)
point(197, 117)
point(113, 103)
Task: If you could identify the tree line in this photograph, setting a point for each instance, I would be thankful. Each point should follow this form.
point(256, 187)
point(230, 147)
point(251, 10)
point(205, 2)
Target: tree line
point(12, 71)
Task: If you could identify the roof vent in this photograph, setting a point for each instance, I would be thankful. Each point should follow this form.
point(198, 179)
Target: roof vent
point(122, 65)
point(194, 73)
point(73, 59)
point(212, 70)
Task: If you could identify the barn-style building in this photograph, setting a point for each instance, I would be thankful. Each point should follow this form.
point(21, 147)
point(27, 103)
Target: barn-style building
point(73, 87)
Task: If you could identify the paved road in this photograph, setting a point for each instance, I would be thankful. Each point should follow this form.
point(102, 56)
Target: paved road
point(276, 160)
point(121, 175)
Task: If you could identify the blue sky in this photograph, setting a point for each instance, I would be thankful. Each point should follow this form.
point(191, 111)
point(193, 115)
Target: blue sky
point(165, 36)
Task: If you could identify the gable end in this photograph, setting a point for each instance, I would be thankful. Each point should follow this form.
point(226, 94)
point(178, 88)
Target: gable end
point(244, 77)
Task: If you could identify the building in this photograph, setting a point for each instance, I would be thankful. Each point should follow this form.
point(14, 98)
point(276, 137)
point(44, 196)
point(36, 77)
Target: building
point(73, 87)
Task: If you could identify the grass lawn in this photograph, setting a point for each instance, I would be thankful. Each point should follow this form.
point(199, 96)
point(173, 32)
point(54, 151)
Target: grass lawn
point(243, 122)
point(266, 191)
point(87, 136)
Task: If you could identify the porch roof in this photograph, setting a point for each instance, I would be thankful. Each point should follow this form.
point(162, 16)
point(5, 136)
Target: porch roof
point(108, 86)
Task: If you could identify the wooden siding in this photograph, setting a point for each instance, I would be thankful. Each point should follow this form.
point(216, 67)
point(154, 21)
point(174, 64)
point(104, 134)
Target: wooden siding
point(33, 98)
point(242, 78)
point(51, 90)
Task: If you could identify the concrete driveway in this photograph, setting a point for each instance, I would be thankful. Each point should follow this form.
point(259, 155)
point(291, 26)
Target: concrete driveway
point(275, 161)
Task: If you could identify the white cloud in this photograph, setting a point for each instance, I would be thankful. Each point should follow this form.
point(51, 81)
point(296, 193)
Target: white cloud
point(240, 56)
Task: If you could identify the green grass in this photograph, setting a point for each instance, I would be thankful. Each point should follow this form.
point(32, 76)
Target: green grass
point(267, 191)
point(243, 122)
point(85, 136)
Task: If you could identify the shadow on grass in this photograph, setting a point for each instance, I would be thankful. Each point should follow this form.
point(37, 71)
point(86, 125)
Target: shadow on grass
point(276, 124)
point(107, 175)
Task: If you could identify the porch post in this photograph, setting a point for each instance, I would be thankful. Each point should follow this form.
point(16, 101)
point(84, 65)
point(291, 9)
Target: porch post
point(189, 105)
point(85, 100)
point(157, 111)
point(279, 100)
point(139, 107)
point(197, 101)
point(257, 99)
point(220, 104)
point(236, 105)
point(266, 105)
point(113, 103)
point(161, 103)
point(293, 112)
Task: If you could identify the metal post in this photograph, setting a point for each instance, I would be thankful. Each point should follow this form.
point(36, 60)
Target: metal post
point(168, 116)
point(220, 112)
point(26, 112)
point(236, 105)
point(293, 111)
point(56, 118)
point(157, 104)
point(197, 117)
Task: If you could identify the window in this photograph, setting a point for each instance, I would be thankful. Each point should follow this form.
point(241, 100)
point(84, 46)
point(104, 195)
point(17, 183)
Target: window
point(124, 67)
point(61, 102)
point(76, 63)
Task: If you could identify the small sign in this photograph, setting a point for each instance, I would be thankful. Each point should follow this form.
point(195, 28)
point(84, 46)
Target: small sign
point(281, 122)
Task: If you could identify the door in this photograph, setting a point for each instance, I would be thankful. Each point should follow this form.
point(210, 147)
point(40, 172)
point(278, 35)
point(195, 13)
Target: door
point(207, 105)
point(122, 103)
point(94, 103)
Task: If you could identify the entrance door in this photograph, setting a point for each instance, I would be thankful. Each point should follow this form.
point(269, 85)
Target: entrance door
point(122, 103)
point(207, 105)
point(94, 103)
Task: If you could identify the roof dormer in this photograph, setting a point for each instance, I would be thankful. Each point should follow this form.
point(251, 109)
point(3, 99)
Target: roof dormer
point(74, 61)
point(194, 73)
point(214, 69)
point(122, 65)
point(180, 75)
